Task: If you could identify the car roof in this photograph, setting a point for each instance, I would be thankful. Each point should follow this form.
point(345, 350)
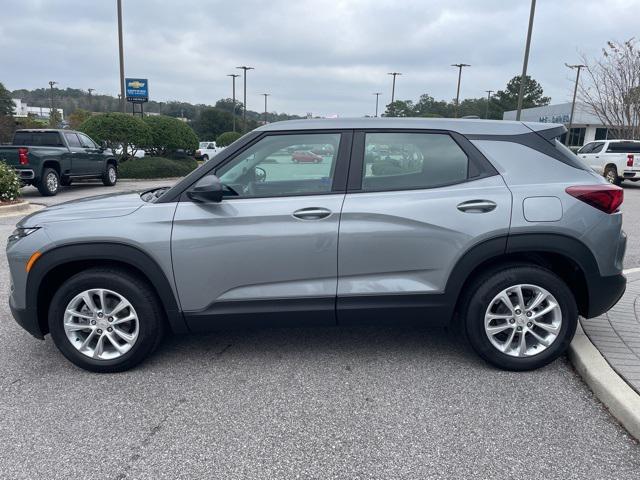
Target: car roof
point(463, 126)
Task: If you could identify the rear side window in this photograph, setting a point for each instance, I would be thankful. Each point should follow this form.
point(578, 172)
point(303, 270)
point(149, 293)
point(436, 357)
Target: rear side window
point(72, 140)
point(403, 161)
point(38, 139)
point(624, 147)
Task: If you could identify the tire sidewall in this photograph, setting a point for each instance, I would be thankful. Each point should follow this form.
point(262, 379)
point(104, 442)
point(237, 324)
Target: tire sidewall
point(500, 280)
point(107, 179)
point(44, 185)
point(148, 319)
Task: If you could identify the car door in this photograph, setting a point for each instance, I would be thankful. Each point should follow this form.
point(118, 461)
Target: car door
point(416, 202)
point(590, 153)
point(79, 157)
point(268, 251)
point(95, 158)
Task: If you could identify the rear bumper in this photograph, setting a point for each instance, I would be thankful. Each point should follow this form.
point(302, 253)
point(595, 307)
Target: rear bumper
point(604, 293)
point(25, 173)
point(27, 318)
point(631, 174)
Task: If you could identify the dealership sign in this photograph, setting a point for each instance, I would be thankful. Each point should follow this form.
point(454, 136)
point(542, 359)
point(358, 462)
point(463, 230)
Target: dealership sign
point(137, 89)
point(560, 118)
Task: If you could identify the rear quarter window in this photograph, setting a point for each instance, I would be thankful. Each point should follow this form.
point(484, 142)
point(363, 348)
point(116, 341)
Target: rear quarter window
point(624, 147)
point(38, 139)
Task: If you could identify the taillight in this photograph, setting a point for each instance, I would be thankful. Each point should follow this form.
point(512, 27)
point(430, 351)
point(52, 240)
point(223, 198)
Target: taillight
point(23, 156)
point(629, 160)
point(607, 198)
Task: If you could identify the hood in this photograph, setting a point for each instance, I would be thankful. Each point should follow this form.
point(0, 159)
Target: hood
point(101, 206)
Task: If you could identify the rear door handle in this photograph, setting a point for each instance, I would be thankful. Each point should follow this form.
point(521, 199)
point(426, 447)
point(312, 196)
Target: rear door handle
point(477, 206)
point(312, 213)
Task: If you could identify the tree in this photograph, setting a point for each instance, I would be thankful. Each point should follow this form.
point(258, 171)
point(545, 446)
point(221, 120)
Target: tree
point(124, 134)
point(78, 117)
point(507, 99)
point(612, 88)
point(227, 138)
point(169, 134)
point(54, 118)
point(212, 122)
point(427, 106)
point(226, 104)
point(399, 108)
point(6, 103)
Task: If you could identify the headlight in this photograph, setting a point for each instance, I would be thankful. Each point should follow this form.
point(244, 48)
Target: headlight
point(20, 232)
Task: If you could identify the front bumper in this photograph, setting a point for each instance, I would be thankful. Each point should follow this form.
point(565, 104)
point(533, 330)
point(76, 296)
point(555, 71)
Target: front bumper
point(27, 318)
point(604, 293)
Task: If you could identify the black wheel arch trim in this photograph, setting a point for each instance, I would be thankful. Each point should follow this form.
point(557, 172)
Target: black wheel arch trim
point(108, 251)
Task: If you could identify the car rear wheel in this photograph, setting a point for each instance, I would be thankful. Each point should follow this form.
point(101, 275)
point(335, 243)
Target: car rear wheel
point(205, 158)
point(611, 175)
point(110, 176)
point(49, 184)
point(520, 318)
point(105, 320)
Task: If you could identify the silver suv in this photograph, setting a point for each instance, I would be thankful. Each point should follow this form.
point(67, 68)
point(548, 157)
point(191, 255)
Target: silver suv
point(493, 226)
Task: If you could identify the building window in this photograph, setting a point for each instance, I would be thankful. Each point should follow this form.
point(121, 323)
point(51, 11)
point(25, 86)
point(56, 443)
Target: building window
point(601, 134)
point(576, 137)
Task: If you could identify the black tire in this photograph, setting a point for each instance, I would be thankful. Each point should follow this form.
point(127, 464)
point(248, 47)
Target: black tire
point(484, 289)
point(110, 175)
point(49, 183)
point(205, 158)
point(611, 175)
point(151, 319)
point(66, 181)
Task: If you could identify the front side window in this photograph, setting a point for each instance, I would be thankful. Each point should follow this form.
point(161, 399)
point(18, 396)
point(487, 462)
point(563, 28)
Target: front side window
point(597, 147)
point(282, 165)
point(72, 140)
point(86, 141)
point(398, 161)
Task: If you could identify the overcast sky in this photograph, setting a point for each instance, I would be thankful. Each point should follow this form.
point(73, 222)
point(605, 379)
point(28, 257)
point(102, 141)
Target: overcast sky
point(319, 56)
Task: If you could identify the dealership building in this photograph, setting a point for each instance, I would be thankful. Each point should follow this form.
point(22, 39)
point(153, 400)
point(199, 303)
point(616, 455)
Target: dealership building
point(586, 126)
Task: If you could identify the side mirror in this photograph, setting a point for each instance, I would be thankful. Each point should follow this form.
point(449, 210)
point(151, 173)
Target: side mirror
point(206, 190)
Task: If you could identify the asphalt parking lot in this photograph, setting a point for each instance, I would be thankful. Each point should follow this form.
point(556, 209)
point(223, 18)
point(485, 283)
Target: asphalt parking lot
point(301, 403)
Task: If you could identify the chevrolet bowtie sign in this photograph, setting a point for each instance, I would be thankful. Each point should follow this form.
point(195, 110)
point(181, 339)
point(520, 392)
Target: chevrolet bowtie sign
point(137, 89)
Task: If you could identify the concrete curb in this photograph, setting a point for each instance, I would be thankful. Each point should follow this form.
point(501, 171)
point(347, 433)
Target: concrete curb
point(14, 208)
point(621, 400)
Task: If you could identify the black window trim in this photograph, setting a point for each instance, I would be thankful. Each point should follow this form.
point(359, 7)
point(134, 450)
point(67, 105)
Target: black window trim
point(478, 166)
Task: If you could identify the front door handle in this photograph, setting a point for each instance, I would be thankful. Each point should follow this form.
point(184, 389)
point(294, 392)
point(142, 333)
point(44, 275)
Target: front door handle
point(312, 213)
point(477, 206)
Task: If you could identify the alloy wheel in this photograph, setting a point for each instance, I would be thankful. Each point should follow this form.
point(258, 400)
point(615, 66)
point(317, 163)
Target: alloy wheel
point(523, 320)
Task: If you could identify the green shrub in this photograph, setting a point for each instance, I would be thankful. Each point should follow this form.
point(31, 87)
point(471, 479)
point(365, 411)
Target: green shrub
point(227, 138)
point(169, 134)
point(116, 129)
point(9, 184)
point(156, 167)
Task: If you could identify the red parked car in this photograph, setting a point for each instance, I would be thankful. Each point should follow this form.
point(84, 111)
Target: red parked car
point(305, 156)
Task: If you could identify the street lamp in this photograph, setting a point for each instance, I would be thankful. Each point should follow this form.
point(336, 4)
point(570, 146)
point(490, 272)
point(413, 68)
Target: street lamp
point(244, 109)
point(265, 106)
point(90, 90)
point(523, 78)
point(121, 53)
point(51, 84)
point(393, 86)
point(459, 66)
point(486, 113)
point(573, 102)
point(377, 94)
point(233, 77)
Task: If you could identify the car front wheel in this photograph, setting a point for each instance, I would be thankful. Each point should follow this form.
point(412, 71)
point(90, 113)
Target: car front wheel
point(110, 176)
point(520, 318)
point(105, 320)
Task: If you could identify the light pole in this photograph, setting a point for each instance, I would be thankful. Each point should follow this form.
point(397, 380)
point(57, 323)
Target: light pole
point(377, 94)
point(459, 66)
point(573, 102)
point(121, 52)
point(265, 106)
point(523, 78)
point(486, 113)
point(90, 90)
point(51, 84)
point(393, 85)
point(244, 107)
point(233, 78)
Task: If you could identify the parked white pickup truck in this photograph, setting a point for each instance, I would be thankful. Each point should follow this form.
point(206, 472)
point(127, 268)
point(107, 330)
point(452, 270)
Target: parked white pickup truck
point(206, 150)
point(616, 160)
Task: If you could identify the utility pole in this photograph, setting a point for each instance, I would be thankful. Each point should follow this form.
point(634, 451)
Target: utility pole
point(459, 66)
point(244, 107)
point(393, 85)
point(90, 90)
point(123, 101)
point(265, 106)
point(486, 113)
point(51, 84)
point(233, 78)
point(573, 102)
point(523, 78)
point(377, 94)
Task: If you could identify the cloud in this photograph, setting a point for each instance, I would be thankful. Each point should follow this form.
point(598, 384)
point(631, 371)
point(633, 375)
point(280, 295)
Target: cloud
point(320, 56)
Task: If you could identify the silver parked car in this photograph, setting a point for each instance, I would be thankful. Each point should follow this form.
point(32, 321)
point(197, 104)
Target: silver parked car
point(494, 226)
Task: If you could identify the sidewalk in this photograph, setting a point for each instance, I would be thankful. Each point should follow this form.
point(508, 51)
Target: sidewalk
point(616, 334)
